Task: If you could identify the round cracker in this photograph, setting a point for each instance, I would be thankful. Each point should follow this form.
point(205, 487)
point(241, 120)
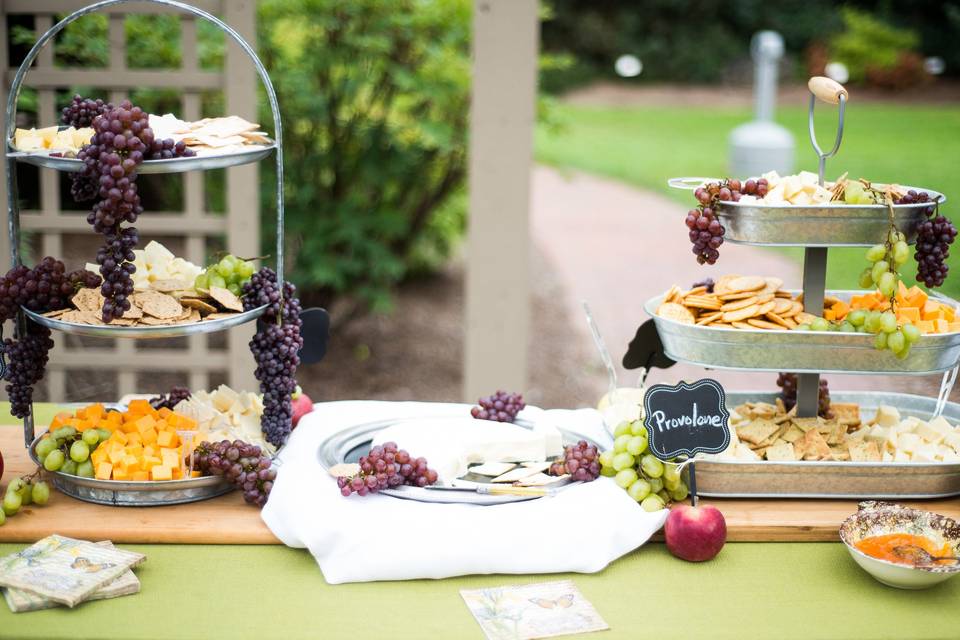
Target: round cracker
point(720, 287)
point(741, 314)
point(782, 305)
point(676, 312)
point(746, 283)
point(766, 307)
point(765, 324)
point(742, 325)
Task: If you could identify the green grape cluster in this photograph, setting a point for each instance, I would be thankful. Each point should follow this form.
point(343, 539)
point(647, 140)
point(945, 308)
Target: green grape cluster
point(855, 193)
point(652, 483)
point(229, 273)
point(22, 492)
point(882, 324)
point(886, 259)
point(67, 450)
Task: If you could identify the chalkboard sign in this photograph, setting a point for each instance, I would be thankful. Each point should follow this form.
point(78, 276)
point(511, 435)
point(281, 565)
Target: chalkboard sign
point(646, 350)
point(686, 419)
point(316, 334)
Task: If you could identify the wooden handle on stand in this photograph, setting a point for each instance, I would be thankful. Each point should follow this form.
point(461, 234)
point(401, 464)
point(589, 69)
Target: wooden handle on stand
point(827, 90)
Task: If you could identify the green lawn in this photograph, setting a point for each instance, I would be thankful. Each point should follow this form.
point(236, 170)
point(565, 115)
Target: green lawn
point(647, 145)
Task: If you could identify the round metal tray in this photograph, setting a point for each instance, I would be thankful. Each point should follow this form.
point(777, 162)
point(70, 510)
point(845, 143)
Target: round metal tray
point(800, 351)
point(134, 494)
point(255, 153)
point(163, 331)
point(835, 479)
point(349, 444)
point(826, 225)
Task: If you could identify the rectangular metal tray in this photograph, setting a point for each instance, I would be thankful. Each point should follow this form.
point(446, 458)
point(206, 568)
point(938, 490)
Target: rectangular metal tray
point(800, 351)
point(855, 480)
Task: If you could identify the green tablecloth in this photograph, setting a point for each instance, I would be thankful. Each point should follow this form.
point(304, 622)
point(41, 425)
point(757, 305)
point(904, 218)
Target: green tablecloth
point(782, 591)
point(751, 590)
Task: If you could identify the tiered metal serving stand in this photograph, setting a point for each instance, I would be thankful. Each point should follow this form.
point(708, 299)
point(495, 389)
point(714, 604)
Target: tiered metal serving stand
point(111, 491)
point(816, 228)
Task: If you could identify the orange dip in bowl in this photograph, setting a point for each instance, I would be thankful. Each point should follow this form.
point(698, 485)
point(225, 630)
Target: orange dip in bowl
point(882, 547)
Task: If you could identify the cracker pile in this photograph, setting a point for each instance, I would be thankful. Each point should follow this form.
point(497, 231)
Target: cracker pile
point(737, 302)
point(764, 431)
point(210, 136)
point(167, 302)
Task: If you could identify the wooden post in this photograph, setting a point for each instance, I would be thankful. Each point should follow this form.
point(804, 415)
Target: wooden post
point(505, 45)
point(243, 183)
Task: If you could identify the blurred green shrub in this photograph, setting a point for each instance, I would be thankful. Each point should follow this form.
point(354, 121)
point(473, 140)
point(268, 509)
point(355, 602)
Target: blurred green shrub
point(374, 96)
point(871, 48)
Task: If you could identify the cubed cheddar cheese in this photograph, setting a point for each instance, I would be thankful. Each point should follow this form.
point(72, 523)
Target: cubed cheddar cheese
point(104, 471)
point(140, 476)
point(160, 472)
point(167, 438)
point(149, 436)
point(169, 458)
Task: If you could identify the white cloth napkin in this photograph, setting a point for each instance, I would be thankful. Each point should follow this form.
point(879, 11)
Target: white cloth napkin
point(360, 539)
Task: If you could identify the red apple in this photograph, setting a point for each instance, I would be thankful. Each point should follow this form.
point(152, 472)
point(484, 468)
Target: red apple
point(695, 533)
point(302, 405)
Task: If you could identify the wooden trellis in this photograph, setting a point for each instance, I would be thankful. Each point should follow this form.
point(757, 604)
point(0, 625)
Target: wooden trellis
point(238, 226)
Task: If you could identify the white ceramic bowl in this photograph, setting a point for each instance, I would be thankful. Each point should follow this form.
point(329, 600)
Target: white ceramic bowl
point(878, 518)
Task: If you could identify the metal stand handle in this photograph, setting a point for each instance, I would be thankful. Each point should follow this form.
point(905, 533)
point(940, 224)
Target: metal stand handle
point(815, 258)
point(832, 92)
point(11, 112)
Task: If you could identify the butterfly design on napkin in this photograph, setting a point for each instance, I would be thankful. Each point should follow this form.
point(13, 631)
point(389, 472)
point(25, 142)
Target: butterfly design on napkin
point(563, 602)
point(90, 567)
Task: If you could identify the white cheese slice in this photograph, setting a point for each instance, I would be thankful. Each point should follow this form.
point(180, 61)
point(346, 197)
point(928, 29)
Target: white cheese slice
point(928, 433)
point(491, 469)
point(953, 440)
point(541, 479)
point(451, 444)
point(887, 416)
point(901, 456)
point(908, 442)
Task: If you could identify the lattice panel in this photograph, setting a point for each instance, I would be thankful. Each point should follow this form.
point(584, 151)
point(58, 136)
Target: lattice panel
point(81, 369)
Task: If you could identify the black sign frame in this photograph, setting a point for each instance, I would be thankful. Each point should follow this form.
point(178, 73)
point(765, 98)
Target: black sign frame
point(681, 393)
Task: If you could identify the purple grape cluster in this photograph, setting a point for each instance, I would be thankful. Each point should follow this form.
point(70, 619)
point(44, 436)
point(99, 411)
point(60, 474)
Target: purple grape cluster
point(386, 466)
point(705, 231)
point(276, 348)
point(43, 288)
point(166, 149)
point(934, 237)
point(118, 146)
point(28, 359)
point(81, 111)
point(500, 407)
point(788, 385)
point(244, 465)
point(171, 399)
point(581, 461)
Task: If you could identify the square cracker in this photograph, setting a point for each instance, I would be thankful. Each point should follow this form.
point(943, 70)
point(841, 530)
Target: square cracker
point(782, 451)
point(814, 446)
point(865, 452)
point(757, 431)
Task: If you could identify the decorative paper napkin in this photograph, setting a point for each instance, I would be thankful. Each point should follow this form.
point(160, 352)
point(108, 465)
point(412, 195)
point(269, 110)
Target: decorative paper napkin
point(525, 612)
point(65, 570)
point(19, 600)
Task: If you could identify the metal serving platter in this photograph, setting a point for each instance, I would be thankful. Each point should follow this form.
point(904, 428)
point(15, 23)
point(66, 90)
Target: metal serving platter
point(814, 479)
point(827, 225)
point(205, 162)
point(349, 444)
point(801, 351)
point(163, 331)
point(134, 494)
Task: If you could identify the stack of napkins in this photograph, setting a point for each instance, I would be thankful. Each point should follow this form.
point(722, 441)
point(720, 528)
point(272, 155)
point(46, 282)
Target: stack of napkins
point(62, 571)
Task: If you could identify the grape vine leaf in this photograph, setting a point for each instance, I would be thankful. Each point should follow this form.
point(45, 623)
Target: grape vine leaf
point(316, 334)
point(646, 349)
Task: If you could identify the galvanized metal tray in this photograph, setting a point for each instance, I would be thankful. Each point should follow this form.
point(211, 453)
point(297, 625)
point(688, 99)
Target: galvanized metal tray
point(134, 494)
point(163, 331)
point(827, 225)
point(254, 153)
point(801, 351)
point(347, 445)
point(814, 479)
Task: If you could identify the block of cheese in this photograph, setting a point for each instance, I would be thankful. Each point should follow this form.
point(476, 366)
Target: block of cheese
point(887, 416)
point(450, 444)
